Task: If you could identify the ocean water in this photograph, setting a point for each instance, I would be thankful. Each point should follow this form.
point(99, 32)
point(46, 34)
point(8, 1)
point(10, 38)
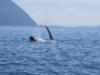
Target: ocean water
point(76, 52)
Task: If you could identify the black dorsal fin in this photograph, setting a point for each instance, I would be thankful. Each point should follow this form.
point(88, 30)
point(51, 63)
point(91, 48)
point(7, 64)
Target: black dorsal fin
point(50, 35)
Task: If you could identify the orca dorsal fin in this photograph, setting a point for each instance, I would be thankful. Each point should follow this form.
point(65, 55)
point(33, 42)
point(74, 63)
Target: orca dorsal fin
point(50, 35)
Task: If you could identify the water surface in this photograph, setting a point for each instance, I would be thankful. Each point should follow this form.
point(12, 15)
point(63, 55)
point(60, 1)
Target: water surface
point(76, 52)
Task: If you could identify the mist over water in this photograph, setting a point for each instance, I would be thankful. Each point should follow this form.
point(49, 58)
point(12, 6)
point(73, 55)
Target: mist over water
point(76, 52)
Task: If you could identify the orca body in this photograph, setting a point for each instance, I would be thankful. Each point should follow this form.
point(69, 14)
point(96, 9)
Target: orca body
point(36, 39)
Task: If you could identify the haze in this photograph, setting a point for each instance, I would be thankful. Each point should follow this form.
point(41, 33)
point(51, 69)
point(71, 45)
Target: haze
point(63, 12)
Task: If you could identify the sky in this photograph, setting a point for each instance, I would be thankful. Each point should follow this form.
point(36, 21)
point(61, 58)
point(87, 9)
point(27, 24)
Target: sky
point(69, 13)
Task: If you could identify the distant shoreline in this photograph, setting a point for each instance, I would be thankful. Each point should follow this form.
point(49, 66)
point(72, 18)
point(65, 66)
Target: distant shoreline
point(21, 26)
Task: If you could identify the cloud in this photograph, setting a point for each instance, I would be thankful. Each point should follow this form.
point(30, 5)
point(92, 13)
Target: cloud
point(72, 9)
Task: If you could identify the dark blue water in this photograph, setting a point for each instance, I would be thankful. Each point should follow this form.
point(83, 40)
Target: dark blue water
point(76, 52)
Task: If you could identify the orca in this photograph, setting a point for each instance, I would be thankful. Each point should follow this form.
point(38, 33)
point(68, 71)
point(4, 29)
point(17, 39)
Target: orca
point(32, 39)
point(36, 39)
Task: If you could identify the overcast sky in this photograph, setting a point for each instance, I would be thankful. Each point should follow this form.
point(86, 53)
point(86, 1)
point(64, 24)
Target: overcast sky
point(63, 12)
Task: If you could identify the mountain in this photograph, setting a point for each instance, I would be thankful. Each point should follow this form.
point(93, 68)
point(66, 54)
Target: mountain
point(11, 14)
